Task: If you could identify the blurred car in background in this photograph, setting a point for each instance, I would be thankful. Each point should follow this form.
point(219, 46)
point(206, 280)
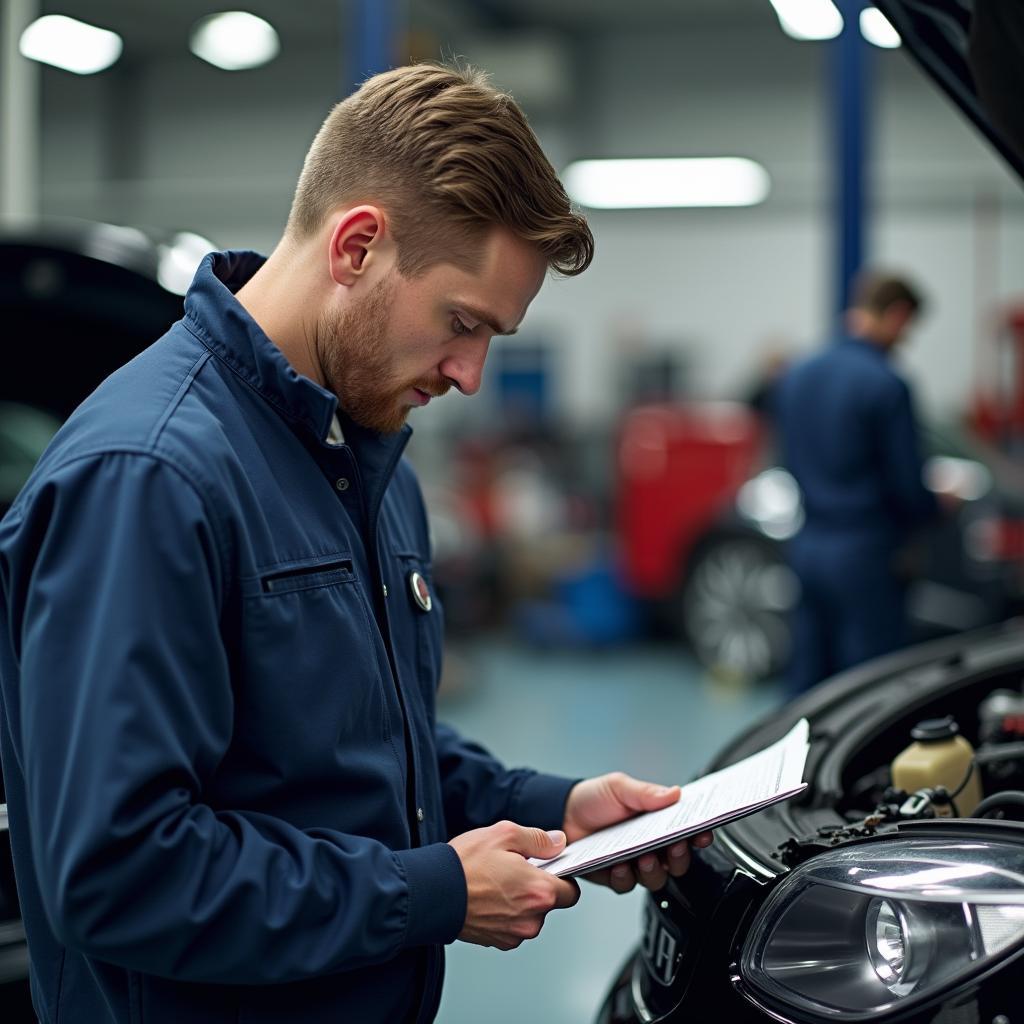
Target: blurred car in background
point(703, 514)
point(716, 581)
point(77, 300)
point(860, 900)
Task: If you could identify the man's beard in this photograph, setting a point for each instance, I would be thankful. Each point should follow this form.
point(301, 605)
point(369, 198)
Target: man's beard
point(358, 367)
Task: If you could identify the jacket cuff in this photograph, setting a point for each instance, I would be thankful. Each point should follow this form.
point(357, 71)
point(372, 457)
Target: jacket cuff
point(437, 900)
point(540, 801)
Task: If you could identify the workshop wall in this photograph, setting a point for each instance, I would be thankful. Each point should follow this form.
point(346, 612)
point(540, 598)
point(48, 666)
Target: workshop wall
point(173, 142)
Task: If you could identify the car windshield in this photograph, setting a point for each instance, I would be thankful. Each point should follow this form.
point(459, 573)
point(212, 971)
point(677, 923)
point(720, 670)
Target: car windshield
point(24, 432)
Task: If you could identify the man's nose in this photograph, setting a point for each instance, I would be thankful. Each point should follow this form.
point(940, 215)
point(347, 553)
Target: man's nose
point(464, 367)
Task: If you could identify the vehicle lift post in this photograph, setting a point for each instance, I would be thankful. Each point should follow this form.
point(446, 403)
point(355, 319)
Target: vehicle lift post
point(371, 29)
point(850, 117)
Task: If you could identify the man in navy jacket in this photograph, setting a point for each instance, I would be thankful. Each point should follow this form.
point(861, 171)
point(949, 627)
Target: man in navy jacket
point(848, 436)
point(229, 798)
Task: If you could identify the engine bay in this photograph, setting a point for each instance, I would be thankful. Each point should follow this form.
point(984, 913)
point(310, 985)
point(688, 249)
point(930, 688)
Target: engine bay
point(986, 720)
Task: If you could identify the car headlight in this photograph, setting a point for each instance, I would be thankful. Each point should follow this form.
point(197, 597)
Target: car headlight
point(859, 931)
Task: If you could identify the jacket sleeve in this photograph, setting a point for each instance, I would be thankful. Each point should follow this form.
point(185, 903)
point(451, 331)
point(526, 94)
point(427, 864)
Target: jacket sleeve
point(478, 790)
point(913, 504)
point(114, 581)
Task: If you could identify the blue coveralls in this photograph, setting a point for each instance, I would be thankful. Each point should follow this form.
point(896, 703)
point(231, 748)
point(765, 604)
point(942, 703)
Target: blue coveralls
point(229, 798)
point(848, 435)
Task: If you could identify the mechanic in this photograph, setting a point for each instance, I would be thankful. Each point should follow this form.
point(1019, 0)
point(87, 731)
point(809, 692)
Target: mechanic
point(229, 798)
point(848, 435)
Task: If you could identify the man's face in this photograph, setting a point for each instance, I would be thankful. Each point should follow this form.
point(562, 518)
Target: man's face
point(409, 340)
point(887, 329)
point(896, 322)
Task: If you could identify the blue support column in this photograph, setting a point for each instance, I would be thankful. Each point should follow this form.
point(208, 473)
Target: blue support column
point(850, 118)
point(372, 32)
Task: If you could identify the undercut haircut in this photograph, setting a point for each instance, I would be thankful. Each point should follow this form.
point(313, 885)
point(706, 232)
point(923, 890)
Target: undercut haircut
point(448, 157)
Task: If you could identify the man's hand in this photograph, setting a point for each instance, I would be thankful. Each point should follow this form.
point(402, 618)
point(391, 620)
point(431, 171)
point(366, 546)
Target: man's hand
point(509, 898)
point(608, 799)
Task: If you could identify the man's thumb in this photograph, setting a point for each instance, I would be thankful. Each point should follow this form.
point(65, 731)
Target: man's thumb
point(650, 797)
point(535, 842)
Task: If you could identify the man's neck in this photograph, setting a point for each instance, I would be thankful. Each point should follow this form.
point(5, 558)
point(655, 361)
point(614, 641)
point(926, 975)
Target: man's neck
point(279, 298)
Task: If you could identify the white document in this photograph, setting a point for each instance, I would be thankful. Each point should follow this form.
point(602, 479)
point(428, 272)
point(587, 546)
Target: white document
point(771, 775)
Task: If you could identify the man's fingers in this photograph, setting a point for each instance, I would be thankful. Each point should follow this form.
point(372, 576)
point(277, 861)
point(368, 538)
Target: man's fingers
point(677, 859)
point(651, 872)
point(621, 878)
point(602, 877)
point(508, 899)
point(567, 894)
point(703, 840)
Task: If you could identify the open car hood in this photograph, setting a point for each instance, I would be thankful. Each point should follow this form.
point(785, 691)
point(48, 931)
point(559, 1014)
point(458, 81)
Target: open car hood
point(974, 50)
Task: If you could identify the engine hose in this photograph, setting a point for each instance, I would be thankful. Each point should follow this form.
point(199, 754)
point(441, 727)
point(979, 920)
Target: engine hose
point(1013, 797)
point(967, 778)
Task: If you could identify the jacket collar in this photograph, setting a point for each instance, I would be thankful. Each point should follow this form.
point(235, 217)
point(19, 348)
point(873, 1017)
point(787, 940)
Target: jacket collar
point(223, 324)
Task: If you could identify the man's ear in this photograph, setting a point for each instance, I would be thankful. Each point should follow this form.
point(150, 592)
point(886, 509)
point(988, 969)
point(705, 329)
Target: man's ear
point(357, 243)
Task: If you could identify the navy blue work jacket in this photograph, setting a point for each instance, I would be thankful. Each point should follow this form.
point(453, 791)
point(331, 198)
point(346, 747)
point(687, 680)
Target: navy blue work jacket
point(847, 432)
point(229, 798)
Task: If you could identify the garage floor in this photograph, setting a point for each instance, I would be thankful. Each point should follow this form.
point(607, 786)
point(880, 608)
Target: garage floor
point(648, 711)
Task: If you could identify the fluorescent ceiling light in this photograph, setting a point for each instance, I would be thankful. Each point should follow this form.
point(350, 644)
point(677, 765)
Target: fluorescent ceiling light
point(234, 40)
point(652, 183)
point(809, 19)
point(70, 44)
point(876, 28)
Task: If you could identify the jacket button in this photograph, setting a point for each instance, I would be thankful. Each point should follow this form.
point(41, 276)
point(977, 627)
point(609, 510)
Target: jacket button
point(419, 814)
point(384, 586)
point(341, 483)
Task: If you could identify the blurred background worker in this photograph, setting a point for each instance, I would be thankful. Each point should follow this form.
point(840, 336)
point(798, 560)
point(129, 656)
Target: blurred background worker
point(849, 437)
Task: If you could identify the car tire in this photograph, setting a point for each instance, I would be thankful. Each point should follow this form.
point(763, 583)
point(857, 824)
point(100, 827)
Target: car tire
point(734, 606)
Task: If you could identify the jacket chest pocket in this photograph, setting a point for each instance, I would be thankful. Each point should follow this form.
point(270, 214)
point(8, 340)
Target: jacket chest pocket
point(307, 577)
point(422, 626)
point(311, 660)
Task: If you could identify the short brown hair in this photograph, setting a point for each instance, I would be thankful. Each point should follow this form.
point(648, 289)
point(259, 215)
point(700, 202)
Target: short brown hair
point(876, 292)
point(448, 156)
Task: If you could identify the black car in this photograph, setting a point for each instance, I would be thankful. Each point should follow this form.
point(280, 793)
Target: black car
point(853, 900)
point(87, 297)
point(857, 900)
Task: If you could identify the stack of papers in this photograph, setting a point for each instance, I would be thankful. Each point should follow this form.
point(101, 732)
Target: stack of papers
point(768, 777)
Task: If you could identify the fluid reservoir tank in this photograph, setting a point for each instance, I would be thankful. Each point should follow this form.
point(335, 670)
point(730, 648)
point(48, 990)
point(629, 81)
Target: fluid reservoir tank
point(939, 756)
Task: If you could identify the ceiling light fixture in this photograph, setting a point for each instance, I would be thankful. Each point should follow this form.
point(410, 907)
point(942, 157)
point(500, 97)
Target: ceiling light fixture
point(876, 28)
point(70, 44)
point(809, 19)
point(234, 41)
point(661, 183)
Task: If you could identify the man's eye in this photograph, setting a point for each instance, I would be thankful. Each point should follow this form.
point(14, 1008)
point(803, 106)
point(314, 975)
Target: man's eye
point(460, 328)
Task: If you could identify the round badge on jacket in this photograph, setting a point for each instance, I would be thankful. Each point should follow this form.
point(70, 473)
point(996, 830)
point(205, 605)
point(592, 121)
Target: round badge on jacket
point(420, 591)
